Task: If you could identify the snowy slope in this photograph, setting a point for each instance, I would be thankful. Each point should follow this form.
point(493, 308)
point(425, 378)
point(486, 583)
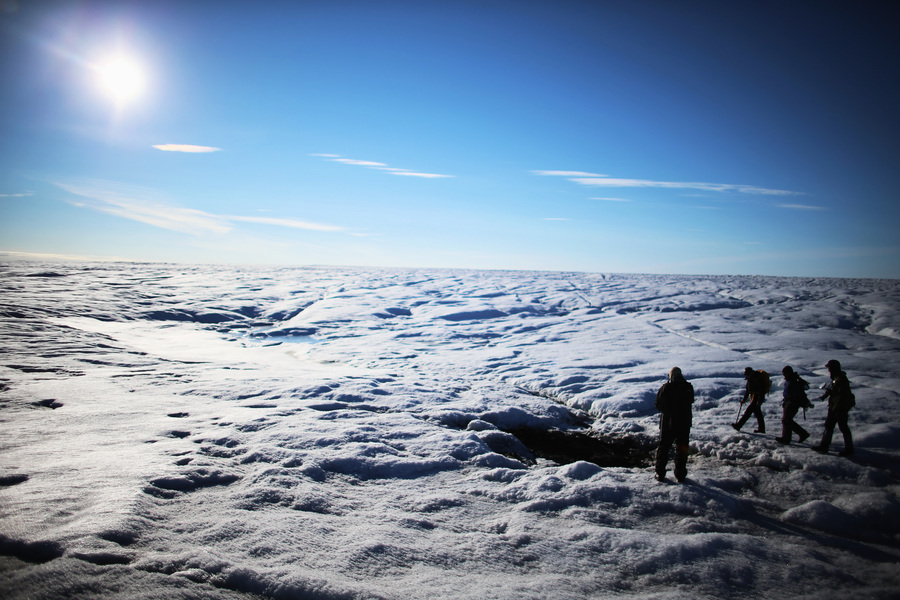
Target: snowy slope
point(219, 432)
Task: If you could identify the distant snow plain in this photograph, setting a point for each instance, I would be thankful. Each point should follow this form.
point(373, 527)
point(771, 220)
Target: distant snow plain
point(171, 431)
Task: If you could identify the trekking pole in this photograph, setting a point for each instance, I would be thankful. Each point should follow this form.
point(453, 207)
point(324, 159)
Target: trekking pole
point(740, 406)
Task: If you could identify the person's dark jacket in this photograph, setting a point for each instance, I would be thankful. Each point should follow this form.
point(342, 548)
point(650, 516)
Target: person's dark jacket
point(839, 395)
point(795, 393)
point(674, 400)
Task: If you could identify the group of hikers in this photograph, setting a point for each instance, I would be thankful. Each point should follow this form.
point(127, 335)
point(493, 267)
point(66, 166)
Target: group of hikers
point(675, 397)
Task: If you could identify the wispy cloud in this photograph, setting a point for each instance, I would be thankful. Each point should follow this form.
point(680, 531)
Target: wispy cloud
point(422, 175)
point(693, 185)
point(141, 205)
point(292, 223)
point(605, 181)
point(22, 195)
point(146, 206)
point(380, 167)
point(186, 148)
point(361, 163)
point(613, 199)
point(801, 207)
point(568, 174)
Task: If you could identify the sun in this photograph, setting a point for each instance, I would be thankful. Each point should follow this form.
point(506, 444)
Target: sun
point(122, 78)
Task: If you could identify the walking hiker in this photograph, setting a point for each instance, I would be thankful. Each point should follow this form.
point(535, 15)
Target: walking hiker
point(758, 384)
point(674, 400)
point(794, 399)
point(840, 401)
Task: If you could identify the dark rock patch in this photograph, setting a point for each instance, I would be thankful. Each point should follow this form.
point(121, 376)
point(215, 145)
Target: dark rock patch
point(16, 479)
point(49, 403)
point(564, 447)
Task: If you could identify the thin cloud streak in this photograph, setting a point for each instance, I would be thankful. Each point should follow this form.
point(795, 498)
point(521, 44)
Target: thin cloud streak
point(423, 175)
point(361, 163)
point(801, 207)
point(568, 174)
point(22, 195)
point(138, 204)
point(131, 203)
point(408, 173)
point(613, 199)
point(292, 223)
point(694, 185)
point(381, 167)
point(606, 181)
point(191, 149)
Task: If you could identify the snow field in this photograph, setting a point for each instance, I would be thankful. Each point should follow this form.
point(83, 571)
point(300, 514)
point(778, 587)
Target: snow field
point(216, 432)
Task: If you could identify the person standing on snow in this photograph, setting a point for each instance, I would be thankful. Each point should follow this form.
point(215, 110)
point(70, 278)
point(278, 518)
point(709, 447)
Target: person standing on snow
point(794, 399)
point(674, 400)
point(756, 390)
point(840, 401)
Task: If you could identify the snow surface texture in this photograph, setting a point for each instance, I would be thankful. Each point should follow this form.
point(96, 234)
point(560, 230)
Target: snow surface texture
point(201, 432)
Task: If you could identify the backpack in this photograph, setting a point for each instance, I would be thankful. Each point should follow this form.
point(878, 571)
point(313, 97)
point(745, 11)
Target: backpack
point(803, 400)
point(765, 382)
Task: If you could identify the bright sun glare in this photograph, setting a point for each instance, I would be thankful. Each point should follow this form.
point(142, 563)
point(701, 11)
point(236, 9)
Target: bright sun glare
point(122, 78)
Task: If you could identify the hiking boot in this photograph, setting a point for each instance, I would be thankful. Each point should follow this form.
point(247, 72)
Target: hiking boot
point(847, 452)
point(803, 437)
point(783, 441)
point(820, 449)
point(735, 425)
point(759, 431)
point(660, 476)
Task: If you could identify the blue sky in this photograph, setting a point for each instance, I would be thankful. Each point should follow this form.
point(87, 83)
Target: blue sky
point(658, 137)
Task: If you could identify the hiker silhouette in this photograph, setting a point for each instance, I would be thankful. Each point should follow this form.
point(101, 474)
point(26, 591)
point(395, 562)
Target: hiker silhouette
point(794, 399)
point(756, 389)
point(674, 400)
point(840, 401)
